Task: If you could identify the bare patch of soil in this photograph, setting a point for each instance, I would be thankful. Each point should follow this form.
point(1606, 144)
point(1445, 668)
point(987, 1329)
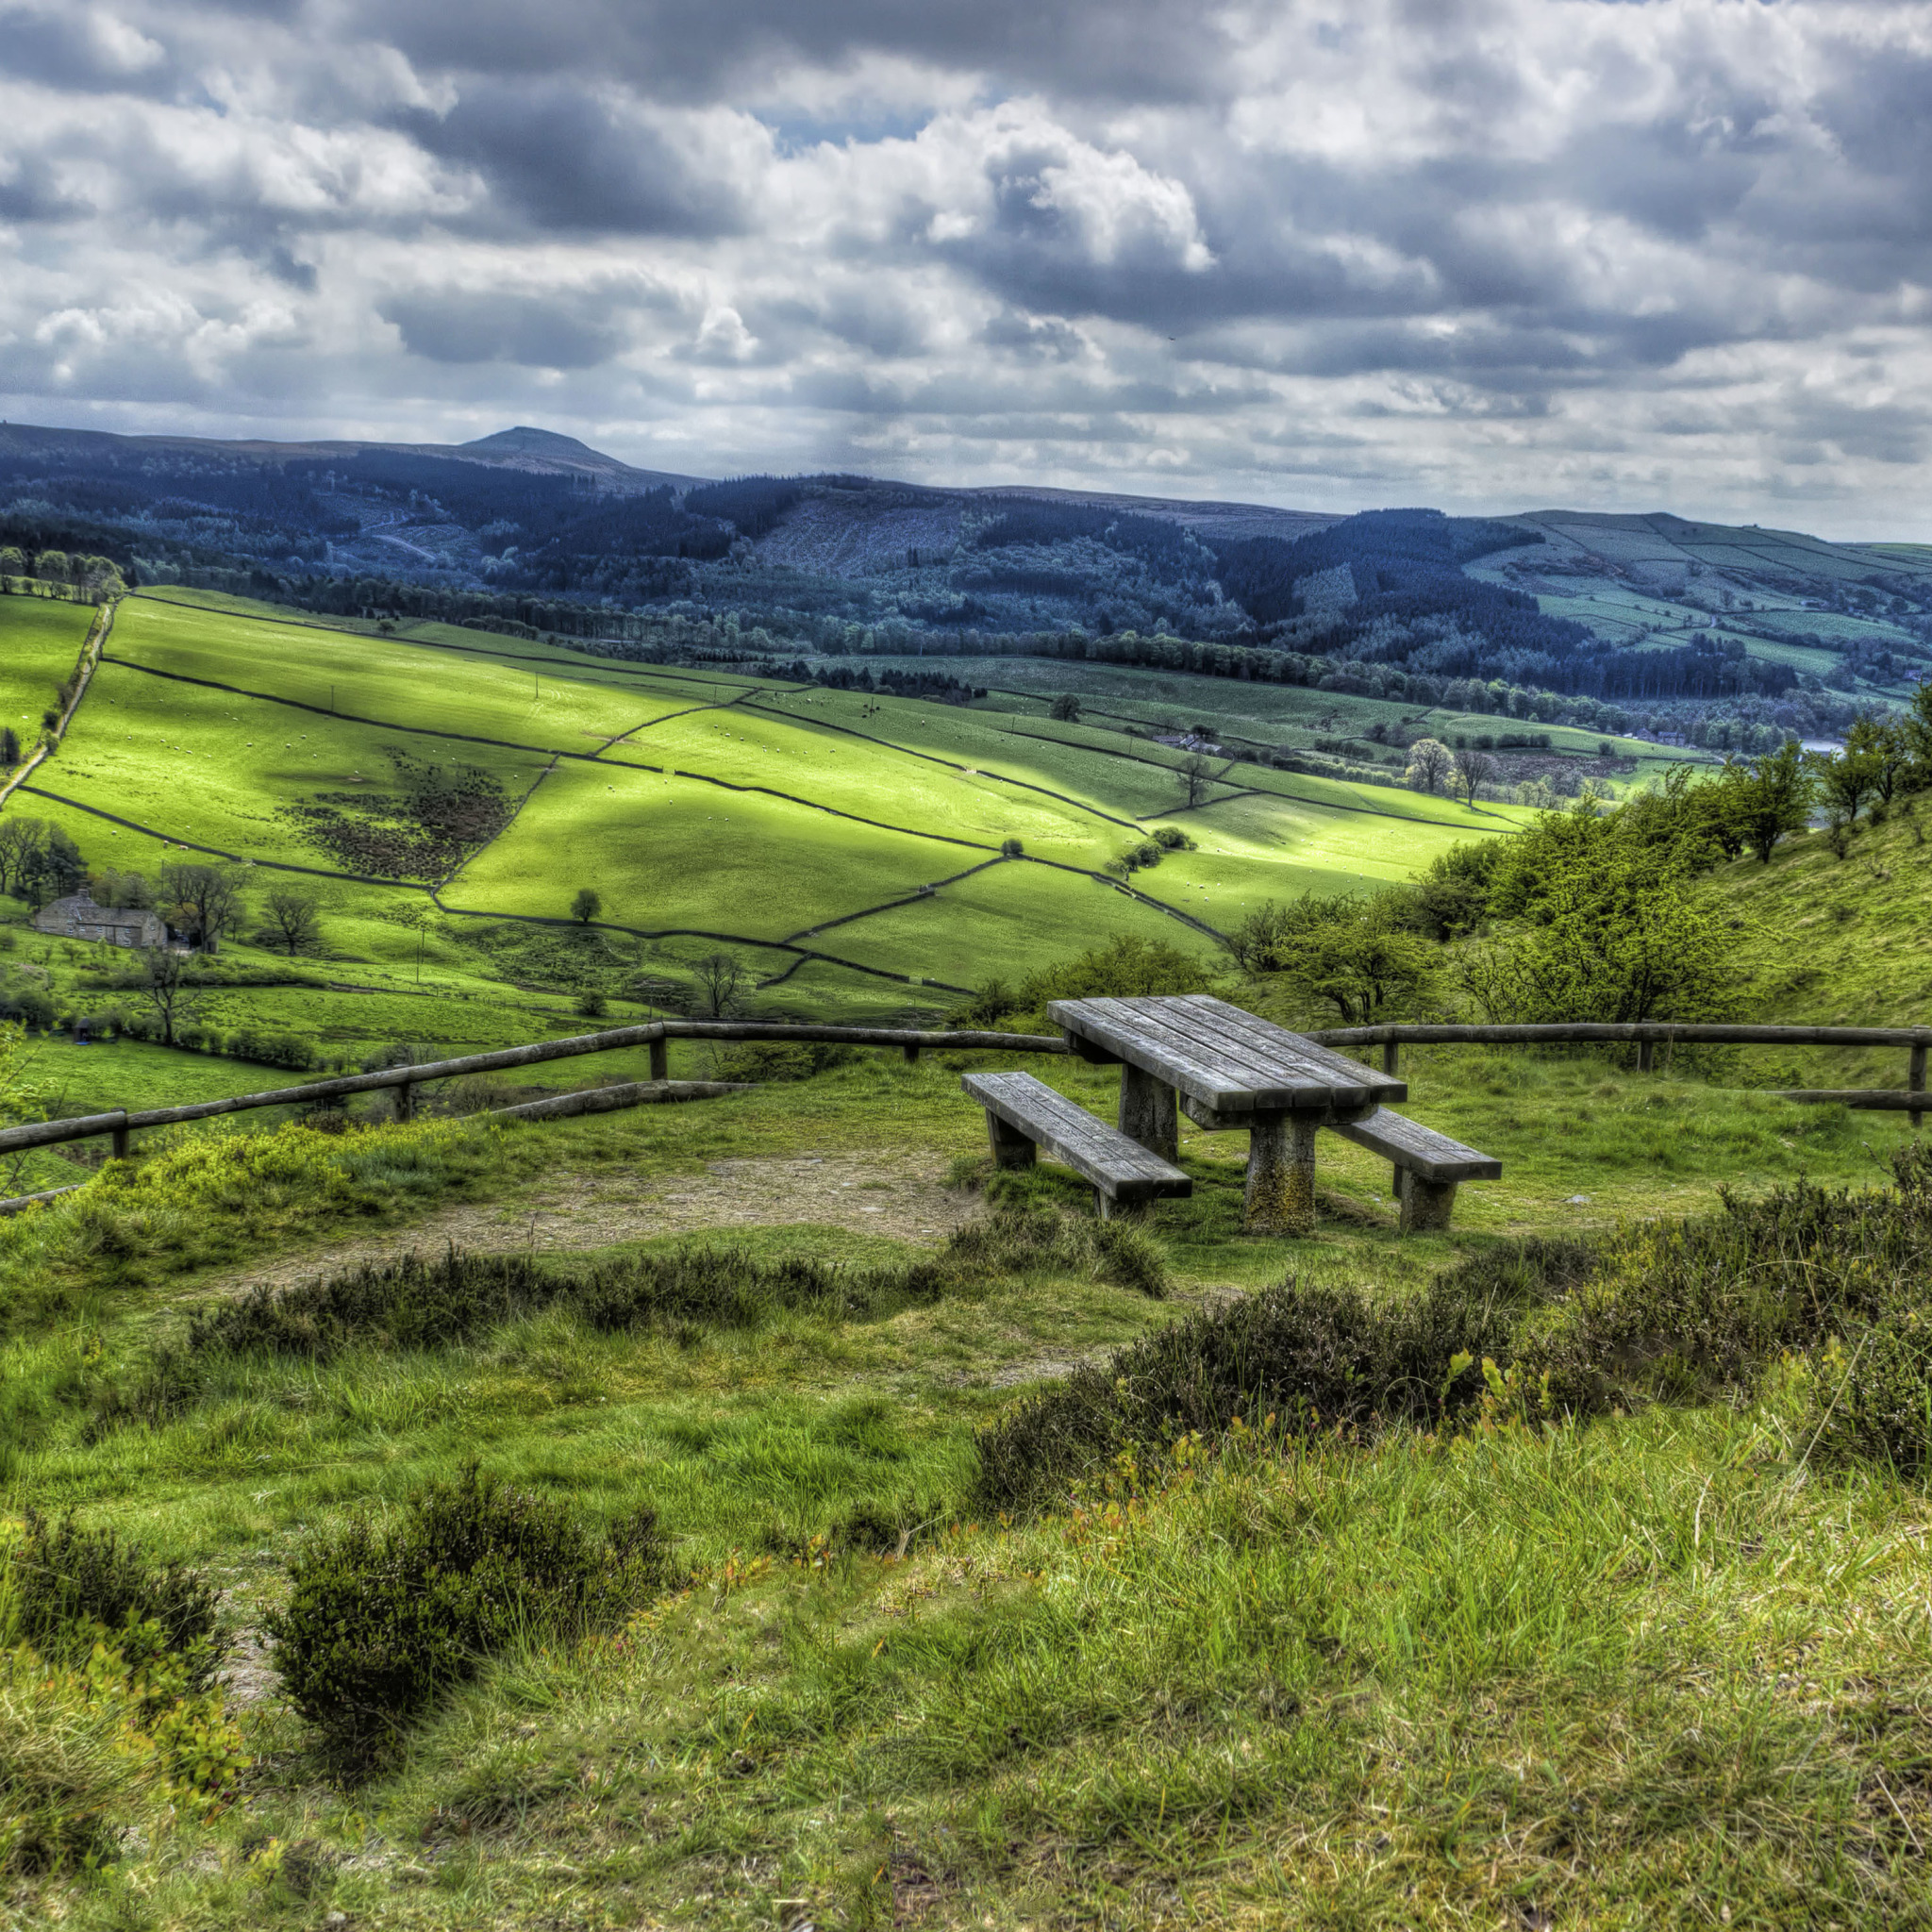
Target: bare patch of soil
point(903, 1199)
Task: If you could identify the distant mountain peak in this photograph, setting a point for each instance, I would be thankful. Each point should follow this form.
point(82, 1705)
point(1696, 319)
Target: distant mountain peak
point(524, 440)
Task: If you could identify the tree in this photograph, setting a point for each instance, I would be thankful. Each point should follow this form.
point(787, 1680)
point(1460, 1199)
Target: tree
point(202, 901)
point(161, 979)
point(52, 869)
point(1360, 955)
point(722, 982)
point(1197, 775)
point(1848, 777)
point(1472, 771)
point(1618, 936)
point(293, 919)
point(1066, 707)
point(1430, 763)
point(586, 906)
point(10, 748)
point(1775, 800)
point(20, 840)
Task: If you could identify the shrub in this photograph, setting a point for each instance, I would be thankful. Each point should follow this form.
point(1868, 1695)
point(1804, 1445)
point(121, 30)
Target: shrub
point(1298, 1356)
point(780, 1059)
point(74, 1587)
point(273, 1049)
point(1172, 838)
point(382, 1621)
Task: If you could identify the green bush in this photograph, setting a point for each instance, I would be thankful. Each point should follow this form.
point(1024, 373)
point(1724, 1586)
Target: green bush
point(1299, 1357)
point(1873, 1402)
point(780, 1059)
point(382, 1621)
point(273, 1049)
point(73, 1588)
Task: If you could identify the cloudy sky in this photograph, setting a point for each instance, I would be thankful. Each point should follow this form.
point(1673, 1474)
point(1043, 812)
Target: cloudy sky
point(1487, 254)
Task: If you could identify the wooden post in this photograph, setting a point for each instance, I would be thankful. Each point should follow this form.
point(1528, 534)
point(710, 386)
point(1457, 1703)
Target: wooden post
point(1646, 1056)
point(1391, 1058)
point(1280, 1194)
point(1915, 1080)
point(661, 1060)
point(122, 1141)
point(1010, 1147)
point(405, 1101)
point(1149, 1115)
point(912, 1052)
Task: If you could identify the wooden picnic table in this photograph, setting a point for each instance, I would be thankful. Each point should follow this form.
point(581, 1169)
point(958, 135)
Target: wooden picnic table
point(1228, 1068)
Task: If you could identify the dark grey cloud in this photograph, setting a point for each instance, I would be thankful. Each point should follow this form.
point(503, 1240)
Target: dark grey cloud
point(1484, 245)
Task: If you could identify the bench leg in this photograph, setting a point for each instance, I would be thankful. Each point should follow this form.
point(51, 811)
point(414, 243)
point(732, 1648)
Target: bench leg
point(1111, 1209)
point(1149, 1115)
point(1426, 1206)
point(1281, 1197)
point(1010, 1147)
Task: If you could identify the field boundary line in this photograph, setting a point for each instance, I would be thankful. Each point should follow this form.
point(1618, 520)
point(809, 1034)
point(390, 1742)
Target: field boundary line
point(552, 752)
point(807, 932)
point(934, 758)
point(91, 647)
point(625, 667)
point(314, 872)
point(456, 871)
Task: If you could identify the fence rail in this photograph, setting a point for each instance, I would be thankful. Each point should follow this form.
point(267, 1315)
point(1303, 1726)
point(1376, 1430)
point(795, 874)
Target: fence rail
point(1648, 1035)
point(656, 1034)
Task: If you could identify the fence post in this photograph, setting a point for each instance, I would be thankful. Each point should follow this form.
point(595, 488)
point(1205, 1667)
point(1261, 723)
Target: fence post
point(405, 1101)
point(660, 1058)
point(124, 1141)
point(1646, 1056)
point(1915, 1080)
point(912, 1052)
point(1391, 1058)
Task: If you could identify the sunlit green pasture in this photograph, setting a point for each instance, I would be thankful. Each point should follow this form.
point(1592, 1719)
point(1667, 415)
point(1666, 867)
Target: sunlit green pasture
point(39, 644)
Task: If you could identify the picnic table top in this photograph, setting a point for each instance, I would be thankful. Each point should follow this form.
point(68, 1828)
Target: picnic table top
point(1226, 1059)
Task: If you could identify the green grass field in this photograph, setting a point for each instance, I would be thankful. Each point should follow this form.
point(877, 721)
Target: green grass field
point(40, 645)
point(704, 811)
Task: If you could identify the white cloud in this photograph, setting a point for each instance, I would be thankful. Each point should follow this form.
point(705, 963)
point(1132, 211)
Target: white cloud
point(1487, 254)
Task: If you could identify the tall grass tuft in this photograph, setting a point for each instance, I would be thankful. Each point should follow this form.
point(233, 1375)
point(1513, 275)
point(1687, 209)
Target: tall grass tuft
point(1301, 1357)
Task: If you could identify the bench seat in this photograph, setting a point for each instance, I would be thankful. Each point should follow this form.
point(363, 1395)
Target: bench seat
point(1429, 1165)
point(1026, 1117)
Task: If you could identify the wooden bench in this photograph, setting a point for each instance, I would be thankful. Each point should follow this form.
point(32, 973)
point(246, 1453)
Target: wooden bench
point(1429, 1165)
point(1024, 1117)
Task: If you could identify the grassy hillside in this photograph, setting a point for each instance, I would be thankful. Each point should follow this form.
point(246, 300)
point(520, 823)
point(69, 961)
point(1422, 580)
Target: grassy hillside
point(707, 810)
point(39, 644)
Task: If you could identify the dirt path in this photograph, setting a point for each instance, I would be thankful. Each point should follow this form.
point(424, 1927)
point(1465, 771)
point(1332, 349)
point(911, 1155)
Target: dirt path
point(905, 1199)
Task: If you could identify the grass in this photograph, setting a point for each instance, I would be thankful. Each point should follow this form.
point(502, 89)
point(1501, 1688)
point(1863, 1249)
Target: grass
point(40, 645)
point(675, 851)
point(1634, 1673)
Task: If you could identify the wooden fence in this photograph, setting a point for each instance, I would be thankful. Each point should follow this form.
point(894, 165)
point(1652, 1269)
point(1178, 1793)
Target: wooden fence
point(1647, 1036)
point(120, 1127)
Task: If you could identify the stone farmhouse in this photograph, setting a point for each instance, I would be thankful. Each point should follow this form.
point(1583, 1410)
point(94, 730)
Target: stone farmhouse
point(76, 917)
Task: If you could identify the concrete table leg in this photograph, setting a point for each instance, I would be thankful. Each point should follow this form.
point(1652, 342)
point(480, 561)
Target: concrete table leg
point(1010, 1147)
point(1281, 1197)
point(1426, 1206)
point(1149, 1116)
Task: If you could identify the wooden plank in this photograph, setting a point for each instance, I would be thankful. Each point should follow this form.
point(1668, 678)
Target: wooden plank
point(652, 1033)
point(1069, 1134)
point(1204, 1076)
point(1419, 1149)
point(1588, 1032)
point(1248, 1034)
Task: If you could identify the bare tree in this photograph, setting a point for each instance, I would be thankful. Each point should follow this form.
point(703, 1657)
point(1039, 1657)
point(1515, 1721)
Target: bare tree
point(294, 920)
point(1472, 771)
point(1430, 763)
point(161, 979)
point(722, 982)
point(1197, 775)
point(202, 901)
